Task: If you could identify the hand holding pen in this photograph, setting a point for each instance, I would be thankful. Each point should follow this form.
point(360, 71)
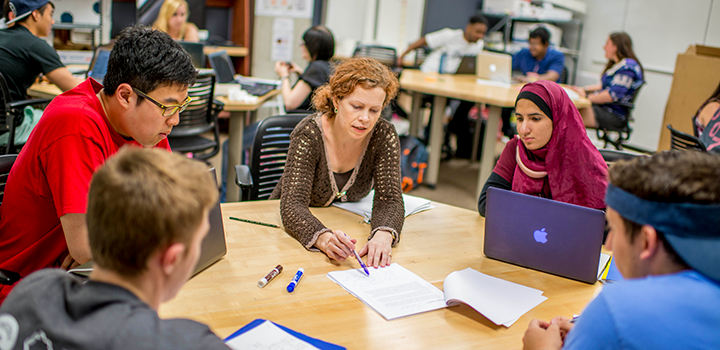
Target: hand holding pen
point(336, 244)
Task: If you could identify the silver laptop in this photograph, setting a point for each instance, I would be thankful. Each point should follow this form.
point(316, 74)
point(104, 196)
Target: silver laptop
point(214, 245)
point(543, 234)
point(494, 66)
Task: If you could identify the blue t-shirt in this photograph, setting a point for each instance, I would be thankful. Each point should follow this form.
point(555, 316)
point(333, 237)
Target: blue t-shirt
point(676, 311)
point(622, 81)
point(524, 62)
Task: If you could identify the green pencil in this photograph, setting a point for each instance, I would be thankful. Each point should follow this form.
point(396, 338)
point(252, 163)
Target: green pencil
point(255, 222)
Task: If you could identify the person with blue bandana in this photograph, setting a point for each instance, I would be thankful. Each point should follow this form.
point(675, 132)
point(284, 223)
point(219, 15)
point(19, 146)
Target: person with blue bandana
point(662, 212)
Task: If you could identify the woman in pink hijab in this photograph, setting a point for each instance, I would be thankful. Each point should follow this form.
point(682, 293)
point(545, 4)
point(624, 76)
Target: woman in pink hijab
point(551, 157)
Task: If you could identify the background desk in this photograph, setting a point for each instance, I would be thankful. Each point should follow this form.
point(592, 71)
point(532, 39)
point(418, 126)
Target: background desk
point(239, 113)
point(461, 87)
point(434, 243)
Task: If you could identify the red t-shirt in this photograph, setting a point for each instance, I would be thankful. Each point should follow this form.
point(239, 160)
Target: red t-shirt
point(51, 178)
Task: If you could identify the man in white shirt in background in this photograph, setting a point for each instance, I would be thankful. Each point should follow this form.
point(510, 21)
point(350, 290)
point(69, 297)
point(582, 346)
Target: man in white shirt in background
point(453, 43)
point(448, 48)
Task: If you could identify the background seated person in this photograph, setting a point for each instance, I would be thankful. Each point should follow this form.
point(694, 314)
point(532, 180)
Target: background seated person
point(665, 237)
point(711, 136)
point(453, 43)
point(143, 253)
point(539, 61)
point(24, 55)
point(339, 154)
point(318, 47)
point(172, 19)
point(621, 79)
point(706, 112)
point(42, 217)
point(552, 156)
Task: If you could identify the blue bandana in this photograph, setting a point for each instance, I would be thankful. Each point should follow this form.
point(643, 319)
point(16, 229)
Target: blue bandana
point(693, 230)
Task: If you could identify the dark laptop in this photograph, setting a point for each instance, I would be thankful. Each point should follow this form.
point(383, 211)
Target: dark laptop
point(98, 65)
point(543, 234)
point(214, 246)
point(196, 51)
point(467, 65)
point(225, 74)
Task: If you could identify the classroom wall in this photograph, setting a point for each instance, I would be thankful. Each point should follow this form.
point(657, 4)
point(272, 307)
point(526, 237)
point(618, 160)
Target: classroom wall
point(660, 29)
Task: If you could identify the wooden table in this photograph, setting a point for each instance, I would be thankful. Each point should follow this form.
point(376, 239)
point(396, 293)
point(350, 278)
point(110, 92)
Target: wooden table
point(240, 113)
point(461, 87)
point(434, 243)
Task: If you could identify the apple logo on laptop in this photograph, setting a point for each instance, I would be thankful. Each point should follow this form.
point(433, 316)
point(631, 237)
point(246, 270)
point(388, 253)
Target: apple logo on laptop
point(493, 68)
point(540, 236)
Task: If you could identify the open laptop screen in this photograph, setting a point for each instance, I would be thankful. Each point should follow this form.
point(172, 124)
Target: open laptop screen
point(224, 71)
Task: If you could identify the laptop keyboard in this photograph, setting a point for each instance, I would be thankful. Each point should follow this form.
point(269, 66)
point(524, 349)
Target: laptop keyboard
point(258, 89)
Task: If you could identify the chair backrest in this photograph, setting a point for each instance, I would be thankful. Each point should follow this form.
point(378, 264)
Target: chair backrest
point(7, 122)
point(197, 118)
point(682, 141)
point(420, 55)
point(563, 76)
point(269, 152)
point(385, 55)
point(6, 163)
point(612, 156)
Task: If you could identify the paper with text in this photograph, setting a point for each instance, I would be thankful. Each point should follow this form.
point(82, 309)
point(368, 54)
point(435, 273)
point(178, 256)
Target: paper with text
point(501, 301)
point(392, 291)
point(363, 207)
point(268, 336)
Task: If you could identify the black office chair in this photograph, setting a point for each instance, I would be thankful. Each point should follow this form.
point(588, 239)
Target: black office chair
point(385, 55)
point(6, 163)
point(684, 142)
point(612, 156)
point(624, 131)
point(257, 180)
point(563, 76)
point(12, 114)
point(199, 118)
point(420, 55)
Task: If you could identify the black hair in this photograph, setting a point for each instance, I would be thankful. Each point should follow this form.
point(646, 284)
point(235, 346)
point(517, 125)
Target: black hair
point(542, 33)
point(6, 10)
point(42, 10)
point(320, 43)
point(478, 18)
point(147, 59)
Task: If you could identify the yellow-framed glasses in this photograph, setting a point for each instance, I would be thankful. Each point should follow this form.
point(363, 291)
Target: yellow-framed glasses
point(168, 111)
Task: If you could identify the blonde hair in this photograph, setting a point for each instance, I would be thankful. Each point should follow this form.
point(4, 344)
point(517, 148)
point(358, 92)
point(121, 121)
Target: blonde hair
point(166, 12)
point(142, 200)
point(365, 72)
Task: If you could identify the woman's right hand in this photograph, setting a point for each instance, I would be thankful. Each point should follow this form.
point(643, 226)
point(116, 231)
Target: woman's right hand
point(282, 69)
point(336, 245)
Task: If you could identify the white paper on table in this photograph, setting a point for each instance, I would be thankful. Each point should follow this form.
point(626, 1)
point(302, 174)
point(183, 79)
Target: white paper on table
point(268, 336)
point(392, 291)
point(603, 264)
point(363, 207)
point(501, 301)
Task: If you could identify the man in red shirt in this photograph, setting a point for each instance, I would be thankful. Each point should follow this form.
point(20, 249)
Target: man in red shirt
point(42, 217)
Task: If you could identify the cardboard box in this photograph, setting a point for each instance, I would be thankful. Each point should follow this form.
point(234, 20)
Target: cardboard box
point(696, 76)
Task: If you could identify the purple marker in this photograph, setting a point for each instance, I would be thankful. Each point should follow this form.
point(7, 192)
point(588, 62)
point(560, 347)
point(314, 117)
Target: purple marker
point(295, 280)
point(357, 256)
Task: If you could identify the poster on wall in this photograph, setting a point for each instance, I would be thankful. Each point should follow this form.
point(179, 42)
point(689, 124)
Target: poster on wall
point(282, 39)
point(284, 8)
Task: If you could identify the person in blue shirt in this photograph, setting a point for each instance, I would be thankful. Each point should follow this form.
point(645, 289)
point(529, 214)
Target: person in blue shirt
point(665, 237)
point(620, 81)
point(539, 61)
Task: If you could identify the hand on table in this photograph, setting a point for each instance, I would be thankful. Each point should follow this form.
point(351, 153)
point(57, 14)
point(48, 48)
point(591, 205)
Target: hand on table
point(336, 244)
point(542, 335)
point(378, 249)
point(579, 90)
point(565, 325)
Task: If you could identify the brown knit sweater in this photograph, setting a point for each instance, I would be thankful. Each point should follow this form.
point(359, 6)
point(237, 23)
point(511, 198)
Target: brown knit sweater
point(308, 181)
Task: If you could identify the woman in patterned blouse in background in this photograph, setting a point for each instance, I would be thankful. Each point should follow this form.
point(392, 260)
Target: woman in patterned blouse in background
point(620, 81)
point(339, 154)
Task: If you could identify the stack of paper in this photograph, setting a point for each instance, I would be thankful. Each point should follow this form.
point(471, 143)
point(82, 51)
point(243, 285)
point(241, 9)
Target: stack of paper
point(501, 301)
point(392, 291)
point(262, 334)
point(363, 207)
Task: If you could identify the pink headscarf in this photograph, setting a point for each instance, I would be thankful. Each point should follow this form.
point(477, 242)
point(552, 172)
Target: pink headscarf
point(576, 171)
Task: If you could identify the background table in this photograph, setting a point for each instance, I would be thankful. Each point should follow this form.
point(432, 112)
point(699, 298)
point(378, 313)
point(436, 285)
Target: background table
point(433, 244)
point(461, 87)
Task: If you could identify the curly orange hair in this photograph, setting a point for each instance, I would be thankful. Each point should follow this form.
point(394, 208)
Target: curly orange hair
point(357, 71)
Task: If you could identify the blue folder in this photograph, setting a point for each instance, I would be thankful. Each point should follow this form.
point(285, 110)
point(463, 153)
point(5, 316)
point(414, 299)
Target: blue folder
point(314, 342)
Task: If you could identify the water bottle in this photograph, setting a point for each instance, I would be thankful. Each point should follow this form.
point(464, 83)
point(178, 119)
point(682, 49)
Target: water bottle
point(443, 58)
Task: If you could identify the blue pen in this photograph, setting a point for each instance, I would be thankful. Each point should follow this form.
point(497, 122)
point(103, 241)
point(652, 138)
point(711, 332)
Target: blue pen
point(357, 256)
point(295, 280)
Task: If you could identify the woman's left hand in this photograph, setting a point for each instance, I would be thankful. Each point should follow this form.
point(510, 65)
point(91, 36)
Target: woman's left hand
point(378, 249)
point(282, 69)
